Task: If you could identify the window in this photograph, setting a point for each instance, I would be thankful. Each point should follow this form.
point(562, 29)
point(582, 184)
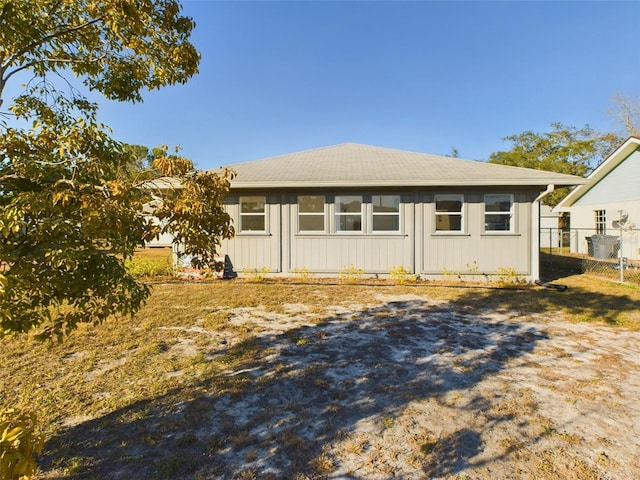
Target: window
point(386, 213)
point(601, 221)
point(311, 213)
point(498, 213)
point(348, 213)
point(253, 214)
point(449, 213)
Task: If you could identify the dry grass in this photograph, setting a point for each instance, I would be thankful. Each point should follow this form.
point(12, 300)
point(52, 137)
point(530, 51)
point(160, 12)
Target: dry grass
point(161, 369)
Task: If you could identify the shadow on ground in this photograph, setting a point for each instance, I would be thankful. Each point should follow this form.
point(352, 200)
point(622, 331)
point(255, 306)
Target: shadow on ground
point(299, 392)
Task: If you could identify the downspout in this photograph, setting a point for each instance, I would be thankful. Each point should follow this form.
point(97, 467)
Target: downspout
point(535, 233)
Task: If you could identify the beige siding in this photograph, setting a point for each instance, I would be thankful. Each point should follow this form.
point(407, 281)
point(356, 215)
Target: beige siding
point(417, 247)
point(330, 254)
point(474, 250)
point(249, 251)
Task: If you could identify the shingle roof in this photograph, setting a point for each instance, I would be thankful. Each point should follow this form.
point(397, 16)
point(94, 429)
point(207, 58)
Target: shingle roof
point(352, 164)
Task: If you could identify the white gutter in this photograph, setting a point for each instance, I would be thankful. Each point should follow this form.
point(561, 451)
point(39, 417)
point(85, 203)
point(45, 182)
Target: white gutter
point(535, 232)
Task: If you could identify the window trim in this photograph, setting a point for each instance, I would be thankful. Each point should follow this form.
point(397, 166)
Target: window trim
point(322, 214)
point(511, 214)
point(397, 214)
point(242, 214)
point(463, 225)
point(600, 217)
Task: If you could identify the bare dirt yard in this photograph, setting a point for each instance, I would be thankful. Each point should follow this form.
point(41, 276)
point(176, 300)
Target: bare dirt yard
point(343, 382)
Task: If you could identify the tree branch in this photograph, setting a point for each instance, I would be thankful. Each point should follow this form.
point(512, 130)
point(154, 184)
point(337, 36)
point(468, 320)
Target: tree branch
point(50, 37)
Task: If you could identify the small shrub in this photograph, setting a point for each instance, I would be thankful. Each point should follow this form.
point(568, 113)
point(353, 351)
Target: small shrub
point(257, 274)
point(350, 274)
point(145, 267)
point(507, 276)
point(303, 273)
point(402, 275)
point(18, 444)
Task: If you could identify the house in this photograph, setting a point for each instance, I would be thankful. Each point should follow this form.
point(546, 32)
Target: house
point(613, 188)
point(550, 231)
point(376, 209)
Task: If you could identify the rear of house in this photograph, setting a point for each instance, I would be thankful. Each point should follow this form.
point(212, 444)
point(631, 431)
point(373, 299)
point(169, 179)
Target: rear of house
point(375, 209)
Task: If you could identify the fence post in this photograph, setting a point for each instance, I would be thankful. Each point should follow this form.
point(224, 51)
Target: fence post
point(621, 257)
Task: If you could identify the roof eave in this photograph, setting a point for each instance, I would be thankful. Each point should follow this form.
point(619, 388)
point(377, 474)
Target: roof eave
point(408, 183)
point(612, 161)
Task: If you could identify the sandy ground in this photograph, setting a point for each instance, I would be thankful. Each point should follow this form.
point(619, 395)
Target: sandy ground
point(403, 388)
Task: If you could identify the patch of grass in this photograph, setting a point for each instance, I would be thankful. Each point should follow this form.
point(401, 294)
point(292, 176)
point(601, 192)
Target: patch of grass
point(132, 371)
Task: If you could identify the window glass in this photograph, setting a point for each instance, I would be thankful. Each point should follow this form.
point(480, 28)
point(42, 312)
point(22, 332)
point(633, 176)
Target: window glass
point(386, 213)
point(498, 210)
point(311, 213)
point(449, 213)
point(601, 221)
point(348, 213)
point(252, 214)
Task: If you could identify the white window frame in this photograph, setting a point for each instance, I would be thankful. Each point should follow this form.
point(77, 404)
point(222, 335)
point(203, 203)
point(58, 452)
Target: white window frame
point(449, 196)
point(338, 215)
point(313, 214)
point(242, 214)
point(509, 214)
point(385, 214)
point(600, 218)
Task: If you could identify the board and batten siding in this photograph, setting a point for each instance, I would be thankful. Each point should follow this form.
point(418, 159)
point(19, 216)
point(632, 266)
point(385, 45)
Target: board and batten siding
point(417, 246)
point(249, 250)
point(474, 251)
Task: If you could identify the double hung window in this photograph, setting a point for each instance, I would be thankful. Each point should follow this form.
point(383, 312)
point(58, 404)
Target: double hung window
point(311, 213)
point(253, 214)
point(498, 213)
point(385, 213)
point(348, 213)
point(449, 213)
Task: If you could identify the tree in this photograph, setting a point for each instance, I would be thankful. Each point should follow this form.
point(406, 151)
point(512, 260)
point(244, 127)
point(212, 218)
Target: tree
point(72, 197)
point(626, 112)
point(565, 149)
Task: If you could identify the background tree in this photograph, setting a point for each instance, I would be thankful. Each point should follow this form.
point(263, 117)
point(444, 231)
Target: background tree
point(626, 113)
point(565, 149)
point(71, 197)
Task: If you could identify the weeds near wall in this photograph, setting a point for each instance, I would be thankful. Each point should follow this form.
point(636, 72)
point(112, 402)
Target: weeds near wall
point(256, 274)
point(303, 274)
point(507, 276)
point(350, 274)
point(401, 275)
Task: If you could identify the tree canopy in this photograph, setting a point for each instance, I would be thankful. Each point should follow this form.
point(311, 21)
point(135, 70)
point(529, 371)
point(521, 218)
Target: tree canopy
point(564, 149)
point(72, 198)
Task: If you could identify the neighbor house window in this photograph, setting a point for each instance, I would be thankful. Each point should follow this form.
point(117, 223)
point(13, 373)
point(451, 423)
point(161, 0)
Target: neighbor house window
point(386, 213)
point(348, 213)
point(311, 213)
point(498, 213)
point(449, 213)
point(601, 221)
point(253, 214)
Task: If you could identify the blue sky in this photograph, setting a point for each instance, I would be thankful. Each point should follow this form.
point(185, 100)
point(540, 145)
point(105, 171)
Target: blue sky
point(280, 77)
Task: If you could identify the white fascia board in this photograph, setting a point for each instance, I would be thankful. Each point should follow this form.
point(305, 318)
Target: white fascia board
point(611, 162)
point(413, 183)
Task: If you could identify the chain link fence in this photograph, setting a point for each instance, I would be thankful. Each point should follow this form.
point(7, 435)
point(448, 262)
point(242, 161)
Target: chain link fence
point(614, 254)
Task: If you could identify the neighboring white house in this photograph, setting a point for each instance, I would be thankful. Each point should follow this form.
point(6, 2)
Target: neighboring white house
point(550, 232)
point(376, 209)
point(613, 187)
